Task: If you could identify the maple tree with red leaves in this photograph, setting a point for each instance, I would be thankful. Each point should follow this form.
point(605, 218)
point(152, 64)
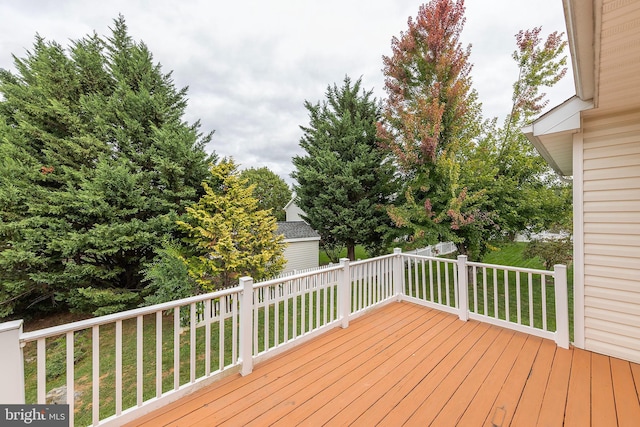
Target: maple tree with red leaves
point(428, 85)
point(431, 116)
point(465, 180)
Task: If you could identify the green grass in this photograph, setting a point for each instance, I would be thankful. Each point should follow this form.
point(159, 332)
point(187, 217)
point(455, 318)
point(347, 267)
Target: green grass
point(361, 253)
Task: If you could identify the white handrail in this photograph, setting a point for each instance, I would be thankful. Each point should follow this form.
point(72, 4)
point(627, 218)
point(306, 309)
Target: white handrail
point(129, 314)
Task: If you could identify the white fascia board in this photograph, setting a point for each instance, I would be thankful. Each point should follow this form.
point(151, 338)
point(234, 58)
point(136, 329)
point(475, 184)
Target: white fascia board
point(563, 118)
point(302, 239)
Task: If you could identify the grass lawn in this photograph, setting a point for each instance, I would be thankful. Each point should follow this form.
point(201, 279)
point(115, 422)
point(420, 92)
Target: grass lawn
point(361, 253)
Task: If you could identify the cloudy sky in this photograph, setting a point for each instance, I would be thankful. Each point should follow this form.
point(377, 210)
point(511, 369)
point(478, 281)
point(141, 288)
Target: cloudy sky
point(251, 64)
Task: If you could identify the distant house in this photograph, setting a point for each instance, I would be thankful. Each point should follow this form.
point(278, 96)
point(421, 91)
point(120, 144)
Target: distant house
point(595, 137)
point(303, 242)
point(293, 211)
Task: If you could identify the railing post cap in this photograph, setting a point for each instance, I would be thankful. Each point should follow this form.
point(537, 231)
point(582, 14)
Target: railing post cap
point(246, 281)
point(344, 261)
point(9, 326)
point(559, 266)
point(463, 257)
point(397, 250)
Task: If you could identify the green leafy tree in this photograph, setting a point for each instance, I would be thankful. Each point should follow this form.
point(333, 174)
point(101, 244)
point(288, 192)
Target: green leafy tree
point(523, 192)
point(431, 118)
point(228, 235)
point(271, 191)
point(344, 181)
point(97, 163)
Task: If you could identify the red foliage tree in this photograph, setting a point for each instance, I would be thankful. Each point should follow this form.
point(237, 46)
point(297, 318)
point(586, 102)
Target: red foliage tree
point(428, 85)
point(430, 118)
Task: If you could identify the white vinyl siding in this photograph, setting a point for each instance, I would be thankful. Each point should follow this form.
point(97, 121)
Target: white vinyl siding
point(301, 255)
point(611, 206)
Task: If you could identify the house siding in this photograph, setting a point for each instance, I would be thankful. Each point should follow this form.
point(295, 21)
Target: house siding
point(301, 255)
point(611, 222)
point(293, 212)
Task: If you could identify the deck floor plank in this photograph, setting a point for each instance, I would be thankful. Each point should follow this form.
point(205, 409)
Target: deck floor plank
point(419, 361)
point(349, 376)
point(406, 364)
point(603, 403)
point(533, 394)
point(624, 389)
point(446, 403)
point(478, 408)
point(348, 389)
point(475, 343)
point(578, 410)
point(503, 408)
point(555, 396)
point(433, 369)
point(467, 391)
point(288, 385)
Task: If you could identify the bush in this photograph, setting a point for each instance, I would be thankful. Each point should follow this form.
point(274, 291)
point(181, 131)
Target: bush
point(551, 251)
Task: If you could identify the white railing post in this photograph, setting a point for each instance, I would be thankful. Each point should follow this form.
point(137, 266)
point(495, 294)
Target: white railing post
point(463, 289)
point(344, 299)
point(12, 362)
point(562, 305)
point(246, 325)
point(398, 273)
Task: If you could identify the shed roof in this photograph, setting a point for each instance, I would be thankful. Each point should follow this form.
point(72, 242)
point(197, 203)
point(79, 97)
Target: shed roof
point(293, 230)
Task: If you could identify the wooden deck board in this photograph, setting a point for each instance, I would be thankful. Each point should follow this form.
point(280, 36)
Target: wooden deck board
point(627, 404)
point(555, 396)
point(578, 410)
point(603, 403)
point(502, 411)
point(533, 394)
point(349, 375)
point(420, 362)
point(430, 396)
point(468, 389)
point(478, 409)
point(452, 396)
point(355, 384)
point(292, 386)
point(425, 377)
point(406, 364)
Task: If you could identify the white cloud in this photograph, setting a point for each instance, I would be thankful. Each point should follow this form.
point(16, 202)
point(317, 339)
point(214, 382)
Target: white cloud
point(250, 65)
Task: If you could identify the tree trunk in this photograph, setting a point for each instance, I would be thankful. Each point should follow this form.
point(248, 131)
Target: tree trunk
point(351, 251)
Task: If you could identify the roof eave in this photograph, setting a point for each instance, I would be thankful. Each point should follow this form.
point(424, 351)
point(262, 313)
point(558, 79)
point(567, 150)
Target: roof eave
point(555, 130)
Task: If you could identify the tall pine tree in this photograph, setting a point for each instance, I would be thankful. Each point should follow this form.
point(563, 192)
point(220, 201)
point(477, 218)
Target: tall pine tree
point(344, 181)
point(101, 164)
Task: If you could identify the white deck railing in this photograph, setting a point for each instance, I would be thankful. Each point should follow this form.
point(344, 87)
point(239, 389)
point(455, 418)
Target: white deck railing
point(197, 340)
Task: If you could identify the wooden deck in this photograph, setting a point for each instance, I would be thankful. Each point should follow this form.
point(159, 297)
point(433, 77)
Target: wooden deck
point(408, 365)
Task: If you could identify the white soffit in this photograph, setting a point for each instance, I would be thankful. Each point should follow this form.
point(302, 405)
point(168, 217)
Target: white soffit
point(552, 133)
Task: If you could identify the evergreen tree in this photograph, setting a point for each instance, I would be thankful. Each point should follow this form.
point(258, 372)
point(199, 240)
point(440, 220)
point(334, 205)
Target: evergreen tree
point(229, 236)
point(271, 191)
point(99, 164)
point(344, 181)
